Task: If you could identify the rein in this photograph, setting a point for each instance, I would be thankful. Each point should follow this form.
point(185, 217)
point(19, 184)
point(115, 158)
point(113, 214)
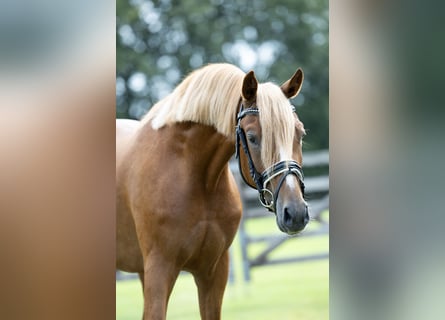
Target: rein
point(267, 198)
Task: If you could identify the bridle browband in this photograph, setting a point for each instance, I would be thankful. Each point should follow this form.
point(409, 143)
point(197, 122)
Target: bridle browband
point(267, 198)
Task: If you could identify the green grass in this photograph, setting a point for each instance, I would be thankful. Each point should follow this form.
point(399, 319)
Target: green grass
point(286, 291)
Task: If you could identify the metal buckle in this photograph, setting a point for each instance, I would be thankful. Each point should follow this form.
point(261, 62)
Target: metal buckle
point(266, 198)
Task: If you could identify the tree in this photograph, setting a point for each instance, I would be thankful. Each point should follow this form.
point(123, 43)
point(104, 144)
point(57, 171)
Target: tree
point(159, 42)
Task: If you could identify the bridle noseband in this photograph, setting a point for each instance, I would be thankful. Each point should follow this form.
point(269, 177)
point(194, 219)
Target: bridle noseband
point(267, 198)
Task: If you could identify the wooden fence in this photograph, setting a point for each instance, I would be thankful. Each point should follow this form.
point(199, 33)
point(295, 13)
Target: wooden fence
point(317, 191)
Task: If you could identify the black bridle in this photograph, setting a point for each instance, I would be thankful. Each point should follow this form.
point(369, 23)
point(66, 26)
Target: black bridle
point(267, 198)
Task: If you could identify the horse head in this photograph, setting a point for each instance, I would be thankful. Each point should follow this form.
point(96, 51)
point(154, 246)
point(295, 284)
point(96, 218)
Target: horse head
point(269, 148)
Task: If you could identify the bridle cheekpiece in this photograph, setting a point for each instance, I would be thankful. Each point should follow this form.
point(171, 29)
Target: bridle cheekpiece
point(284, 168)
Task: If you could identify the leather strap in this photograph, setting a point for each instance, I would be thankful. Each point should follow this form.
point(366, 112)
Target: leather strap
point(283, 168)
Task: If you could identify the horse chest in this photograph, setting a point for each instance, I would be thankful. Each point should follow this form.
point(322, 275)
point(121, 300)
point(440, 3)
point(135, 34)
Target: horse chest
point(212, 227)
point(207, 243)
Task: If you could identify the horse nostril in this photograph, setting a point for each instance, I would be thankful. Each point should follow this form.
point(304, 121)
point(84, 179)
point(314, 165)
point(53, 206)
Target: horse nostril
point(287, 217)
point(306, 216)
point(294, 216)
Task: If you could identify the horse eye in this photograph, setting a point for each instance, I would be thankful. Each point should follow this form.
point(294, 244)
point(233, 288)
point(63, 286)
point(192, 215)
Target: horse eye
point(252, 138)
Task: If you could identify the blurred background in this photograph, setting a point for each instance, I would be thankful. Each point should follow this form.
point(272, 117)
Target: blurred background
point(57, 142)
point(160, 42)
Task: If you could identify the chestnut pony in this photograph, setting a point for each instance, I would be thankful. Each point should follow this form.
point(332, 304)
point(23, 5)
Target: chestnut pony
point(178, 207)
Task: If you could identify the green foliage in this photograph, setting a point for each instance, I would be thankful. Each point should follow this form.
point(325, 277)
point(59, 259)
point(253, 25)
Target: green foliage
point(159, 42)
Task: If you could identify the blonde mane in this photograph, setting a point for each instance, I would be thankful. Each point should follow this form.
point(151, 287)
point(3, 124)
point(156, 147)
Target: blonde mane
point(277, 124)
point(211, 95)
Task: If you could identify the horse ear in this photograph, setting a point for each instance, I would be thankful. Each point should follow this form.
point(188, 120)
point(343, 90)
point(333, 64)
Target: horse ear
point(292, 86)
point(250, 86)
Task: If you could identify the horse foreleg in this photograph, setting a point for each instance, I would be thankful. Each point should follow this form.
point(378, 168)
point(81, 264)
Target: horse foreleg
point(211, 289)
point(159, 278)
point(141, 277)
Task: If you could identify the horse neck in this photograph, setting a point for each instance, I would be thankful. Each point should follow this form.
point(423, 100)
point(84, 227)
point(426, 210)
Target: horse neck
point(203, 153)
point(216, 157)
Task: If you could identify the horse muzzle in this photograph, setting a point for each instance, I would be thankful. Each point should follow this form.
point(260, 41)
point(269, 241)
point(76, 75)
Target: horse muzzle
point(292, 217)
